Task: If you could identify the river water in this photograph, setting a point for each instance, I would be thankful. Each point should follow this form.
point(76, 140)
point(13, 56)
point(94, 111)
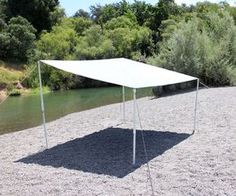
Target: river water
point(18, 113)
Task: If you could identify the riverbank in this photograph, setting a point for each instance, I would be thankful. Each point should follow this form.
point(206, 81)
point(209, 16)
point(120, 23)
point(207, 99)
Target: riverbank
point(89, 154)
point(23, 92)
point(3, 95)
point(10, 76)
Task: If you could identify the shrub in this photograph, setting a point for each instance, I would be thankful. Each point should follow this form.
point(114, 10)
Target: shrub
point(17, 39)
point(15, 92)
point(205, 48)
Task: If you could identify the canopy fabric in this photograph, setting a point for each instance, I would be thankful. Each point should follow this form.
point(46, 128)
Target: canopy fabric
point(121, 71)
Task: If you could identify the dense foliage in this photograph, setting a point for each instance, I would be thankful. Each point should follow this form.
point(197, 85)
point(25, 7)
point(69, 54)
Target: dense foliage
point(203, 46)
point(17, 39)
point(42, 14)
point(197, 40)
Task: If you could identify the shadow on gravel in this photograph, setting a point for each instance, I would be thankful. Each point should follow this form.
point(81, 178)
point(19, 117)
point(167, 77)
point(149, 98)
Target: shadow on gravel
point(108, 151)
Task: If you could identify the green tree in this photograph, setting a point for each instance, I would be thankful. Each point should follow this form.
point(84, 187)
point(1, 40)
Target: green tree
point(94, 45)
point(162, 11)
point(122, 22)
point(142, 11)
point(128, 37)
point(102, 14)
point(60, 43)
point(3, 8)
point(5, 39)
point(203, 47)
point(3, 25)
point(81, 24)
point(40, 13)
point(109, 12)
point(96, 12)
point(17, 39)
point(82, 13)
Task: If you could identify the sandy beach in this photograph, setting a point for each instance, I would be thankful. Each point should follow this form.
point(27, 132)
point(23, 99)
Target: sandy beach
point(90, 152)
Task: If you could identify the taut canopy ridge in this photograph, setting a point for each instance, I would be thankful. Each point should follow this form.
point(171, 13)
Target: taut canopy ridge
point(119, 71)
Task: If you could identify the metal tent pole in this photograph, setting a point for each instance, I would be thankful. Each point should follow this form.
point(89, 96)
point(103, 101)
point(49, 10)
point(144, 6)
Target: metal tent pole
point(123, 99)
point(42, 104)
point(134, 125)
point(195, 108)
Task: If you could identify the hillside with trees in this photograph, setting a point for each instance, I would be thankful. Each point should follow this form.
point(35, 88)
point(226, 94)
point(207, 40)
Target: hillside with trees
point(198, 40)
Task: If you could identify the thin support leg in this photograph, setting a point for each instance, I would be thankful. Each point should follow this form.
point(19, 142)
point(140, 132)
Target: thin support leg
point(195, 108)
point(42, 105)
point(123, 99)
point(134, 125)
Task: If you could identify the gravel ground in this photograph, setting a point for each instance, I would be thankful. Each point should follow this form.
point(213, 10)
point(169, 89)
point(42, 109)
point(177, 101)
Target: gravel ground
point(90, 153)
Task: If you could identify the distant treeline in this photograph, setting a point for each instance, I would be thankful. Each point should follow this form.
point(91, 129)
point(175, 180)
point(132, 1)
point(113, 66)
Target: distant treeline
point(198, 40)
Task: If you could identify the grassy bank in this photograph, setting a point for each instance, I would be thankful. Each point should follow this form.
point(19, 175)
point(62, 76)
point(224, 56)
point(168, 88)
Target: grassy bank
point(22, 92)
point(36, 91)
point(10, 75)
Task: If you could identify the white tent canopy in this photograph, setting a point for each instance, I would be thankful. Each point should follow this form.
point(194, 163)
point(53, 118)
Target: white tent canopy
point(123, 72)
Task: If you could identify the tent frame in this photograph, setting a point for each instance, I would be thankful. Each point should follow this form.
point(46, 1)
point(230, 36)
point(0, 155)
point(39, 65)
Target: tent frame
point(123, 100)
